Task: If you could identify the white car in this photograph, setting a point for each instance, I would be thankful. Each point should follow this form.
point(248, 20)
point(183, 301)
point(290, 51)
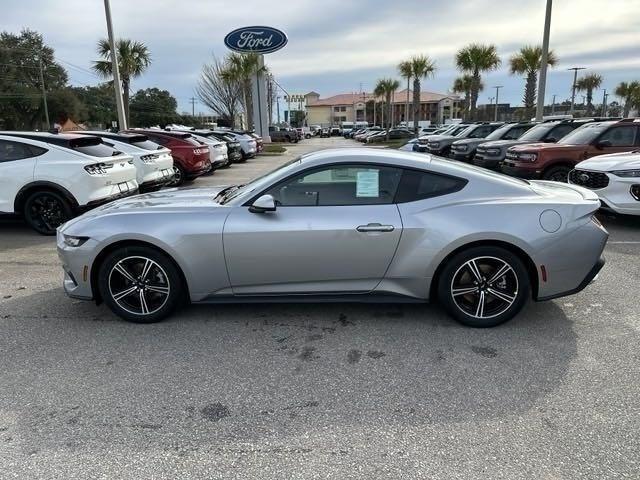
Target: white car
point(217, 149)
point(153, 162)
point(248, 144)
point(615, 178)
point(48, 178)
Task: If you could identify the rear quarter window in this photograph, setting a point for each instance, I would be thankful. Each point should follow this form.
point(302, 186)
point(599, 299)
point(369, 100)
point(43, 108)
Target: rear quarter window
point(146, 145)
point(98, 150)
point(418, 185)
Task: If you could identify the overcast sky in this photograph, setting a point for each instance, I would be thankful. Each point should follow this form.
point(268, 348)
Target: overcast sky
point(337, 45)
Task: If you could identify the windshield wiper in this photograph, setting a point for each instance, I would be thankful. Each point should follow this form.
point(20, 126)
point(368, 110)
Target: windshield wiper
point(222, 194)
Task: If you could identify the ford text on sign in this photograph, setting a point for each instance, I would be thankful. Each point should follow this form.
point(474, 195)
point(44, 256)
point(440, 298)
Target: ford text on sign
point(255, 39)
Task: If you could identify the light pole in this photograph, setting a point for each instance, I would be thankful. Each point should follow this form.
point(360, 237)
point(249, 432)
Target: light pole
point(553, 104)
point(542, 81)
point(44, 92)
point(495, 115)
point(122, 120)
point(604, 102)
point(573, 88)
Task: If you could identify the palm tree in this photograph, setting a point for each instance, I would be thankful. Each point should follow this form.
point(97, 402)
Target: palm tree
point(588, 84)
point(627, 91)
point(463, 84)
point(386, 87)
point(133, 59)
point(528, 60)
point(240, 68)
point(405, 69)
point(423, 67)
point(475, 59)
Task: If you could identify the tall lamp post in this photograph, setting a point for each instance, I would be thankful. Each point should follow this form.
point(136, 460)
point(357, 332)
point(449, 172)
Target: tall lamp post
point(542, 81)
point(573, 87)
point(495, 115)
point(122, 120)
point(604, 102)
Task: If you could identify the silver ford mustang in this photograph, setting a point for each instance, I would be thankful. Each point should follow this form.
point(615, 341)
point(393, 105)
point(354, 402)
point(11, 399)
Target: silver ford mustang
point(341, 225)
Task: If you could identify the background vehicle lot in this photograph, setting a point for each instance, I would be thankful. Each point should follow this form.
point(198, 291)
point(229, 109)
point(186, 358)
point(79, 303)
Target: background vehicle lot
point(290, 390)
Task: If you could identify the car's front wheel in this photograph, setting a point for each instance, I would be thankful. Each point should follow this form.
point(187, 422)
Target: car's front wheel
point(484, 286)
point(45, 211)
point(140, 284)
point(557, 174)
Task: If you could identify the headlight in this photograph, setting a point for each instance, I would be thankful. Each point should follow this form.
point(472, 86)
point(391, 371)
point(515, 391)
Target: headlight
point(493, 151)
point(72, 241)
point(626, 173)
point(527, 157)
point(434, 145)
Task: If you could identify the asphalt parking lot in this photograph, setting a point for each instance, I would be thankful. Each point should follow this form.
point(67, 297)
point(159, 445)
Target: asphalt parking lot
point(316, 391)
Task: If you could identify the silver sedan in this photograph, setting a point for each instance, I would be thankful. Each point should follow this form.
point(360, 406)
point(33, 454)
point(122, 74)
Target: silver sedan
point(341, 225)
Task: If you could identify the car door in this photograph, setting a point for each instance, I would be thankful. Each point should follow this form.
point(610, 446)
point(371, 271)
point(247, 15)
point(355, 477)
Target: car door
point(335, 230)
point(621, 138)
point(17, 164)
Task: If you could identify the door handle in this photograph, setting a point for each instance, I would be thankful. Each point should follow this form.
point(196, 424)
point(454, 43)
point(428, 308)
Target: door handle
point(375, 227)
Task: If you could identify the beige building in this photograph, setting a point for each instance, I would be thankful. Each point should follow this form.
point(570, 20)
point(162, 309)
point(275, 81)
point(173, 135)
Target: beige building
point(354, 107)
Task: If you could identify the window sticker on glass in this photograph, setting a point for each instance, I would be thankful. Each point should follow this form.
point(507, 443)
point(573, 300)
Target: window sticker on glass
point(367, 183)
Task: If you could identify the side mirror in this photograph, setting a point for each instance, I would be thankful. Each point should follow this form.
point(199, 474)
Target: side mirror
point(603, 143)
point(265, 203)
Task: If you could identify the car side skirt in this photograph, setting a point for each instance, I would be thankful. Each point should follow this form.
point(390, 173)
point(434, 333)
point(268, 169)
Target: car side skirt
point(313, 298)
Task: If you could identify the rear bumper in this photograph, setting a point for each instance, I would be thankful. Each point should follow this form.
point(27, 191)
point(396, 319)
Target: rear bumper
point(110, 198)
point(520, 172)
point(591, 277)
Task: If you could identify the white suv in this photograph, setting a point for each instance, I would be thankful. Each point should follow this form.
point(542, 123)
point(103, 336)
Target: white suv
point(48, 178)
point(153, 162)
point(614, 177)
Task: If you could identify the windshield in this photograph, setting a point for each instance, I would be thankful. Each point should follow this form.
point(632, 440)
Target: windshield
point(497, 134)
point(257, 182)
point(584, 134)
point(537, 133)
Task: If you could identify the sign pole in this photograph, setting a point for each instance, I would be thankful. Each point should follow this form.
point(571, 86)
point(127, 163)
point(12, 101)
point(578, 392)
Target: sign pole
point(259, 97)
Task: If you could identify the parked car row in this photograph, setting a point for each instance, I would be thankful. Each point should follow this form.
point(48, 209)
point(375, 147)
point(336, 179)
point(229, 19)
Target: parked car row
point(48, 178)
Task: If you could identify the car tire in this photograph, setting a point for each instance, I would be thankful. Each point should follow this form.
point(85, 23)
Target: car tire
point(461, 291)
point(161, 286)
point(557, 174)
point(45, 211)
point(178, 175)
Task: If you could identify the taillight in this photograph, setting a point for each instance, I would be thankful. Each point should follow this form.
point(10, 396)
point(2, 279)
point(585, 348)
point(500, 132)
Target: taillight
point(149, 158)
point(99, 168)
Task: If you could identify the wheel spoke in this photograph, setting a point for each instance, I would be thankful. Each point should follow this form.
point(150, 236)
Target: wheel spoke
point(463, 291)
point(143, 303)
point(145, 270)
point(122, 271)
point(158, 289)
point(502, 296)
point(120, 295)
point(475, 271)
point(500, 273)
point(480, 307)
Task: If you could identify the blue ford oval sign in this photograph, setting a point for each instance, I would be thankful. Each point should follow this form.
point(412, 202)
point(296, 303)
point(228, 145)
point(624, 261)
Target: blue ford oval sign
point(255, 39)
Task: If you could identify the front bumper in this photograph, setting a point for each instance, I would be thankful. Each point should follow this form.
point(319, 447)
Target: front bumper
point(76, 264)
point(616, 196)
point(515, 170)
point(461, 156)
point(487, 162)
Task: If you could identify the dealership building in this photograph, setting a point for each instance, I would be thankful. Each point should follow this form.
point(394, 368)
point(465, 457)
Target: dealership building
point(359, 107)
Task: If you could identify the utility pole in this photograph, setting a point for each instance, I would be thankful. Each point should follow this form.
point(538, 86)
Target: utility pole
point(604, 102)
point(542, 80)
point(44, 92)
point(573, 88)
point(278, 108)
point(495, 115)
point(122, 120)
point(193, 102)
point(553, 104)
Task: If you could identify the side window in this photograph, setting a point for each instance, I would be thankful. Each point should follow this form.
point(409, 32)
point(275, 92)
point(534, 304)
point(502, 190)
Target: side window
point(560, 131)
point(10, 151)
point(620, 136)
point(481, 132)
point(418, 185)
point(339, 185)
point(514, 133)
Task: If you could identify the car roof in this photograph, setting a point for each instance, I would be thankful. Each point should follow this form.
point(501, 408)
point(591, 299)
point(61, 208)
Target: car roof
point(124, 137)
point(68, 140)
point(172, 134)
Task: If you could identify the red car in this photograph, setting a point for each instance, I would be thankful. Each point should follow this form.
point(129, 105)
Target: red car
point(190, 157)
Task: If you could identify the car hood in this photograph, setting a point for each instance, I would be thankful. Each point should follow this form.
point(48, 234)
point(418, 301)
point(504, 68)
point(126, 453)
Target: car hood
point(614, 161)
point(502, 143)
point(468, 141)
point(437, 138)
point(549, 146)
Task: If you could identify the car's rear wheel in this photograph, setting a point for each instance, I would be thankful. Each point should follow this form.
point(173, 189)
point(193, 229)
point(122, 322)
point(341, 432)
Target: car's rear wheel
point(45, 211)
point(178, 175)
point(557, 174)
point(484, 286)
point(140, 284)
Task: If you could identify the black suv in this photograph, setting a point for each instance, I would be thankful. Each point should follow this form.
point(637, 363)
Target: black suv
point(490, 154)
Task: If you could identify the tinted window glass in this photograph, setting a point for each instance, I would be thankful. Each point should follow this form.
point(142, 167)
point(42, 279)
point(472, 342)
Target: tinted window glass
point(97, 150)
point(515, 132)
point(537, 133)
point(146, 144)
point(584, 134)
point(561, 130)
point(481, 132)
point(499, 133)
point(418, 185)
point(340, 185)
point(17, 151)
point(620, 136)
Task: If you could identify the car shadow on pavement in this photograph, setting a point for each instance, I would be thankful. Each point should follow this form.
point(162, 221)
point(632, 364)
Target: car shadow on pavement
point(246, 370)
